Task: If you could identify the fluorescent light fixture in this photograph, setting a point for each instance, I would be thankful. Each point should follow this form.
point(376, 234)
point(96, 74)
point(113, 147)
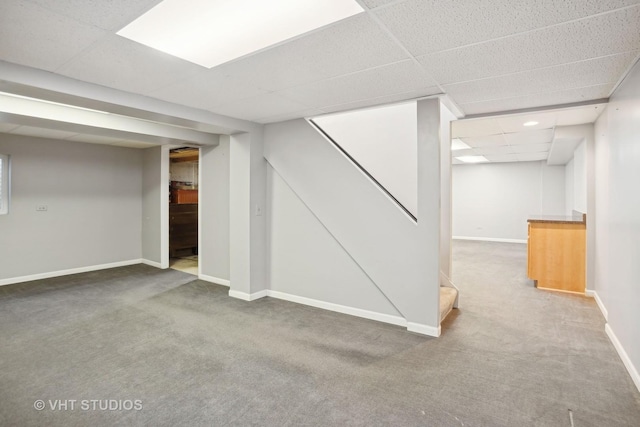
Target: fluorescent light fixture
point(472, 159)
point(212, 32)
point(458, 144)
point(531, 123)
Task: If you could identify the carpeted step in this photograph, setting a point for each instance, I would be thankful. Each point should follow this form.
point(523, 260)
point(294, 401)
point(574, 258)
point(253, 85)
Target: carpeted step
point(447, 299)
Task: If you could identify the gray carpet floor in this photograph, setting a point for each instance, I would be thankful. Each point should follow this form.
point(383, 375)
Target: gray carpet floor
point(511, 355)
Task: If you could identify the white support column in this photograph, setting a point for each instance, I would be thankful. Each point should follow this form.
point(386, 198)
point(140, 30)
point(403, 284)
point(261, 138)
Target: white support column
point(247, 219)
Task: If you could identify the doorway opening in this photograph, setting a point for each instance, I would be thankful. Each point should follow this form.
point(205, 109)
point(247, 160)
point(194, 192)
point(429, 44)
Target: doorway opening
point(184, 164)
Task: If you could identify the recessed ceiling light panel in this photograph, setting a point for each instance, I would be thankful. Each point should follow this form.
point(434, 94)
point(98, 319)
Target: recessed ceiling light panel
point(472, 159)
point(212, 32)
point(531, 123)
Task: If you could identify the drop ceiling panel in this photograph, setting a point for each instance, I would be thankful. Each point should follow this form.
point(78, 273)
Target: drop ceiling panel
point(531, 157)
point(34, 36)
point(530, 137)
point(289, 116)
point(614, 32)
point(432, 26)
point(530, 148)
point(493, 150)
point(109, 15)
point(261, 107)
point(389, 99)
point(388, 80)
point(123, 64)
point(539, 100)
point(471, 128)
point(563, 77)
point(577, 116)
point(208, 89)
point(351, 45)
point(499, 158)
point(372, 4)
point(512, 124)
point(485, 141)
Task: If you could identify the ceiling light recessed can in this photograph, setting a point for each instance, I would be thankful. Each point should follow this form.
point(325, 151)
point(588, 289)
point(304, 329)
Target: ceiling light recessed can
point(530, 123)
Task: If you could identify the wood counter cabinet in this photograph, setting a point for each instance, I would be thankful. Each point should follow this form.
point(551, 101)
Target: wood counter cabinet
point(556, 252)
point(183, 228)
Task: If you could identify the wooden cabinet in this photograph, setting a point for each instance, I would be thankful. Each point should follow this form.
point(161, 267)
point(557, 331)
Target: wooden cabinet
point(183, 228)
point(557, 254)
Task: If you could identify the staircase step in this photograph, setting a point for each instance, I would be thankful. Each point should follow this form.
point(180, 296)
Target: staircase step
point(447, 299)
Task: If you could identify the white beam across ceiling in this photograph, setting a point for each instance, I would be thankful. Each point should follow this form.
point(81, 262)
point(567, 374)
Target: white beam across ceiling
point(22, 109)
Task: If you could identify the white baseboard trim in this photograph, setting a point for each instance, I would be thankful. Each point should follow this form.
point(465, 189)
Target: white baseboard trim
point(358, 312)
point(624, 356)
point(490, 239)
point(50, 274)
point(215, 280)
point(599, 302)
point(247, 297)
point(424, 329)
point(152, 263)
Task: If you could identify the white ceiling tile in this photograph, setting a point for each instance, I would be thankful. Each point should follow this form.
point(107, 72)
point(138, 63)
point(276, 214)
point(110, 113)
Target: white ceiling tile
point(498, 158)
point(207, 89)
point(431, 26)
point(530, 137)
point(7, 127)
point(34, 36)
point(42, 132)
point(530, 148)
point(372, 4)
point(261, 107)
point(493, 150)
point(387, 80)
point(455, 161)
point(465, 152)
point(389, 99)
point(289, 116)
point(110, 15)
point(580, 115)
point(351, 45)
point(539, 100)
point(515, 123)
point(475, 127)
point(603, 35)
point(532, 157)
point(563, 77)
point(123, 64)
point(485, 141)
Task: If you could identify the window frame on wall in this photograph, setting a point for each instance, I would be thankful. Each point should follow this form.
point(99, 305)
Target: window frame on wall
point(5, 188)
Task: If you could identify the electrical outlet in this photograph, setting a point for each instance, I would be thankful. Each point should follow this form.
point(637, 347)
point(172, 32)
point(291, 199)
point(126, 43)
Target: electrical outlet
point(41, 208)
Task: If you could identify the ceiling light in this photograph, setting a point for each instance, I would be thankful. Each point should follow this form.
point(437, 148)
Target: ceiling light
point(531, 123)
point(472, 159)
point(458, 144)
point(210, 33)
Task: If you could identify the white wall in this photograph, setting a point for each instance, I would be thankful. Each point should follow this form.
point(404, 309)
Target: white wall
point(214, 258)
point(580, 178)
point(494, 200)
point(151, 204)
point(618, 219)
point(569, 192)
point(305, 260)
point(93, 217)
point(383, 140)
